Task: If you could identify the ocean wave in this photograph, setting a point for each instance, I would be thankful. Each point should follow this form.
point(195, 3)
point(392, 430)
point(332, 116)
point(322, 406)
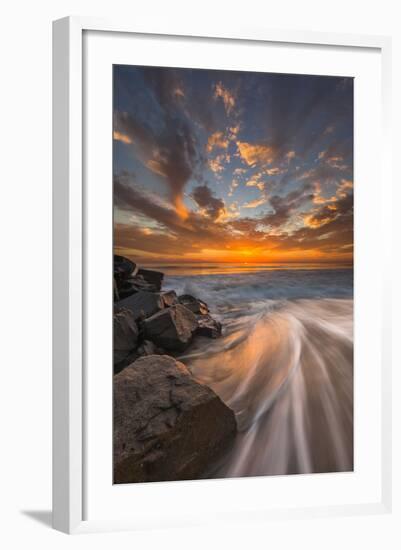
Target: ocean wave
point(284, 365)
point(286, 369)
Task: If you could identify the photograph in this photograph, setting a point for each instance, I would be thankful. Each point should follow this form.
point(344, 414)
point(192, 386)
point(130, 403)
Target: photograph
point(233, 274)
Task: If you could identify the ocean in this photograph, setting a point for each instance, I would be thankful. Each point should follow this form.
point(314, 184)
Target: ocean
point(284, 363)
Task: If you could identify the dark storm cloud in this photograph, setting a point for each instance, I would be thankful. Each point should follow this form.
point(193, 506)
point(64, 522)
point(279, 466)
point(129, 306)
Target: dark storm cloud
point(204, 198)
point(329, 212)
point(284, 207)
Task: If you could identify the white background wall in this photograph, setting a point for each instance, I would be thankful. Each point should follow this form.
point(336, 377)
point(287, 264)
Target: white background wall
point(25, 385)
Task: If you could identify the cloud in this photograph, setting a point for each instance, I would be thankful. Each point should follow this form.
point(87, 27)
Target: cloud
point(253, 128)
point(255, 154)
point(285, 206)
point(216, 165)
point(274, 171)
point(234, 184)
point(118, 136)
point(210, 204)
point(337, 162)
point(342, 190)
point(216, 140)
point(255, 203)
point(255, 182)
point(329, 212)
point(171, 153)
point(344, 187)
point(228, 97)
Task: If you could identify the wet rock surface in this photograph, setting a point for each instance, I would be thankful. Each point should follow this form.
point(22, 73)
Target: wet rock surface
point(172, 328)
point(194, 304)
point(209, 327)
point(181, 317)
point(151, 277)
point(142, 304)
point(125, 335)
point(167, 426)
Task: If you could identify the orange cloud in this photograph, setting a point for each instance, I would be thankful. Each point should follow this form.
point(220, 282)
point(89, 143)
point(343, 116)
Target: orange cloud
point(253, 154)
point(216, 164)
point(118, 136)
point(337, 162)
point(274, 171)
point(311, 221)
point(216, 140)
point(255, 203)
point(254, 182)
point(341, 193)
point(180, 208)
point(179, 92)
point(343, 187)
point(239, 171)
point(228, 97)
point(156, 166)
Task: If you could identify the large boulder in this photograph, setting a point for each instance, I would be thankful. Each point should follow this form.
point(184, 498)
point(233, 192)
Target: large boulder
point(154, 278)
point(138, 283)
point(169, 298)
point(125, 335)
point(167, 426)
point(194, 304)
point(172, 328)
point(142, 304)
point(209, 327)
point(123, 267)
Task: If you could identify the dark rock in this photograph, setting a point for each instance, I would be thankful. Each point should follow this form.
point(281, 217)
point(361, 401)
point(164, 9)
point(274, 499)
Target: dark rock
point(148, 348)
point(137, 283)
point(116, 294)
point(209, 327)
point(142, 304)
point(194, 304)
point(123, 267)
point(152, 277)
point(172, 328)
point(125, 289)
point(128, 360)
point(125, 335)
point(167, 426)
point(169, 298)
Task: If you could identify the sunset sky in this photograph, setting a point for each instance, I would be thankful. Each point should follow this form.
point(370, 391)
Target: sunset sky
point(232, 167)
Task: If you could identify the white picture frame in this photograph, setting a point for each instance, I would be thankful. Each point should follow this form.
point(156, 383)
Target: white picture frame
point(70, 261)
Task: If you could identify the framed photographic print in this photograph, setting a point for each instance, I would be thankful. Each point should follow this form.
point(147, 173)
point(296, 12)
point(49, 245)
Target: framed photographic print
point(220, 342)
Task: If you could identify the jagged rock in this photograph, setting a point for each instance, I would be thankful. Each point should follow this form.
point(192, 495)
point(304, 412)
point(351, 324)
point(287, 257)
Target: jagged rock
point(125, 335)
point(137, 283)
point(123, 267)
point(169, 298)
point(172, 328)
point(152, 277)
point(142, 304)
point(167, 426)
point(126, 288)
point(194, 304)
point(207, 326)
